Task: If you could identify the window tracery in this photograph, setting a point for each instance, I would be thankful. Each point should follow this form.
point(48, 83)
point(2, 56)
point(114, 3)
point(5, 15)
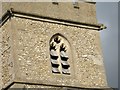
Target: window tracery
point(59, 49)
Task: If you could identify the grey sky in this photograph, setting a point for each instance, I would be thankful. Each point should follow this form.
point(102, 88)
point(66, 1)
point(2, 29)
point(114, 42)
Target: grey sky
point(106, 0)
point(107, 13)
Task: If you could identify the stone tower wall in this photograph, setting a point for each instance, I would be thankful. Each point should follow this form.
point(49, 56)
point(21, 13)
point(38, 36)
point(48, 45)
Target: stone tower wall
point(33, 59)
point(6, 55)
point(28, 38)
point(63, 10)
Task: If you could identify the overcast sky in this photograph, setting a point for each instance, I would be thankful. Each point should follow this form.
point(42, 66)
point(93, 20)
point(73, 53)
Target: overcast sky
point(106, 0)
point(107, 13)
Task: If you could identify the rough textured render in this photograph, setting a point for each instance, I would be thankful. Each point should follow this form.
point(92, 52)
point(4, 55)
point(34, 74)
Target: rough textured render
point(6, 55)
point(25, 47)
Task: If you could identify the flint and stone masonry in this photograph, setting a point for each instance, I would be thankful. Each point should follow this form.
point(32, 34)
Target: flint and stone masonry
point(51, 45)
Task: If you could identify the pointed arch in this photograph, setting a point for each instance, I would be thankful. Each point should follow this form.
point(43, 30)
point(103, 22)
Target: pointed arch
point(59, 54)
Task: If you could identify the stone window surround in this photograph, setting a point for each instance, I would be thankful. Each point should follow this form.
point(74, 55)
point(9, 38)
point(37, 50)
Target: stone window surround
point(59, 54)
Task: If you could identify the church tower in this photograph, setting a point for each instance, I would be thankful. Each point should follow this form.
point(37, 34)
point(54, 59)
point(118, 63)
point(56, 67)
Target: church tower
point(51, 45)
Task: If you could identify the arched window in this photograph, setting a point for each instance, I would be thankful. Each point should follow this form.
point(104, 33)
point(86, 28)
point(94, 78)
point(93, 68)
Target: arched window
point(59, 54)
